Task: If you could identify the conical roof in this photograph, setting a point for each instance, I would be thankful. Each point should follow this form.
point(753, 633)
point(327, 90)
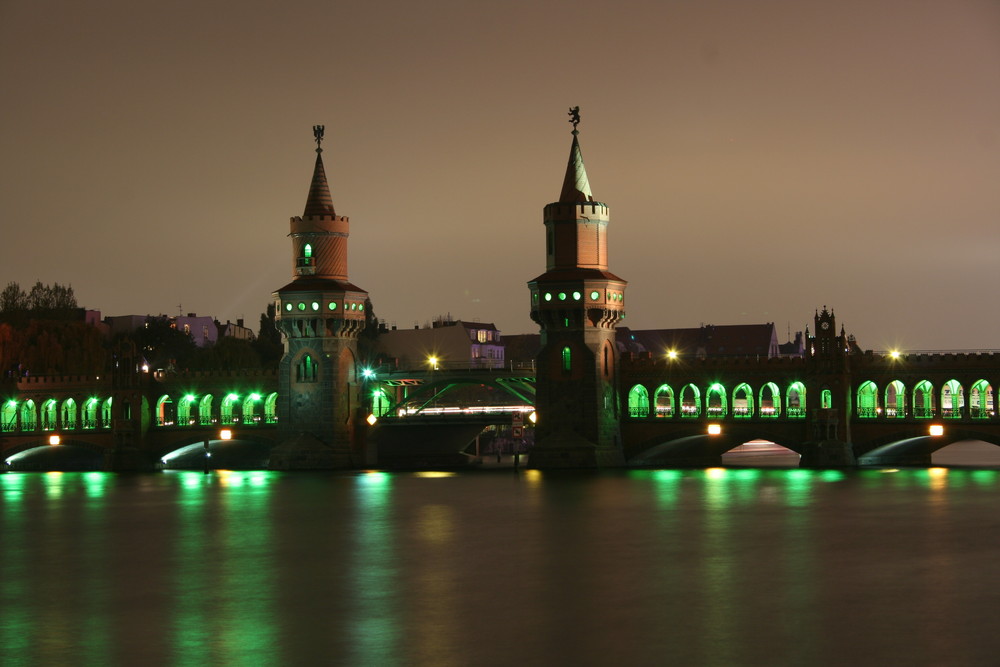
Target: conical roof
point(576, 187)
point(319, 202)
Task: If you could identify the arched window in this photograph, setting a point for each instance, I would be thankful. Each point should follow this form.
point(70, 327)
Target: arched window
point(306, 370)
point(715, 401)
point(165, 411)
point(867, 400)
point(981, 400)
point(8, 417)
point(567, 359)
point(380, 403)
point(106, 413)
point(770, 401)
point(690, 401)
point(923, 400)
point(49, 414)
point(228, 409)
point(29, 421)
point(638, 402)
point(743, 401)
point(895, 400)
point(952, 400)
point(270, 414)
point(252, 408)
point(795, 401)
point(306, 259)
point(205, 417)
point(825, 399)
point(664, 398)
point(68, 414)
point(90, 413)
point(184, 409)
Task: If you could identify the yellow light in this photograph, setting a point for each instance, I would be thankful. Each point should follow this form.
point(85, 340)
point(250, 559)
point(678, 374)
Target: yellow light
point(433, 361)
point(54, 439)
point(671, 354)
point(533, 417)
point(894, 354)
point(714, 429)
point(371, 419)
point(936, 430)
point(225, 434)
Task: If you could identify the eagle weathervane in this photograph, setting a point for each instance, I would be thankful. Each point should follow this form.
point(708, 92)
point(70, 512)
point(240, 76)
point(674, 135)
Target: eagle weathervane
point(318, 134)
point(574, 117)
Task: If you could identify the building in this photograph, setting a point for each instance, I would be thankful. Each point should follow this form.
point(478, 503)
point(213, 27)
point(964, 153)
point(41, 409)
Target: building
point(447, 343)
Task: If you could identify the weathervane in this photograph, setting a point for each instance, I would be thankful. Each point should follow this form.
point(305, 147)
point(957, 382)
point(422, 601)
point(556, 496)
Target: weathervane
point(318, 134)
point(574, 117)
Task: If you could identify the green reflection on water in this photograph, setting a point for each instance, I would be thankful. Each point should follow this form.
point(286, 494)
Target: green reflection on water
point(375, 631)
point(16, 625)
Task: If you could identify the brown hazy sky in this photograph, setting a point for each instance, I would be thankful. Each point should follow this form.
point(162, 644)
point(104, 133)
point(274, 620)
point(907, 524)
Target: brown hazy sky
point(761, 159)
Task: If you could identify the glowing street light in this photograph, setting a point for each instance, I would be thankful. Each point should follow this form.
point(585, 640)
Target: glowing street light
point(433, 361)
point(54, 439)
point(936, 430)
point(714, 429)
point(371, 419)
point(894, 354)
point(672, 354)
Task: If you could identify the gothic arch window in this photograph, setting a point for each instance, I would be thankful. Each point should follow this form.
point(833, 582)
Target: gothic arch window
point(952, 399)
point(305, 371)
point(895, 399)
point(164, 409)
point(567, 359)
point(8, 417)
point(380, 403)
point(826, 399)
point(690, 401)
point(68, 414)
point(270, 413)
point(228, 413)
point(90, 413)
point(770, 401)
point(106, 413)
point(252, 408)
point(923, 400)
point(306, 258)
point(664, 401)
point(205, 410)
point(638, 402)
point(715, 401)
point(743, 401)
point(28, 419)
point(184, 416)
point(795, 401)
point(981, 400)
point(49, 414)
point(867, 405)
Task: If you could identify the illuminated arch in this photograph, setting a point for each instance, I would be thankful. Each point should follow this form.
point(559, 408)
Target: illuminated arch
point(952, 399)
point(867, 403)
point(165, 411)
point(638, 402)
point(227, 409)
point(252, 409)
point(769, 401)
point(270, 413)
point(923, 400)
point(664, 401)
point(825, 399)
point(567, 359)
point(50, 413)
point(305, 371)
point(29, 418)
point(895, 400)
point(690, 401)
point(67, 414)
point(205, 417)
point(184, 410)
point(90, 413)
point(106, 413)
point(981, 400)
point(715, 400)
point(795, 401)
point(743, 401)
point(380, 403)
point(8, 416)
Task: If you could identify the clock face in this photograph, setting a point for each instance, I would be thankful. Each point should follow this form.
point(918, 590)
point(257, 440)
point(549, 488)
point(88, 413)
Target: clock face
point(825, 325)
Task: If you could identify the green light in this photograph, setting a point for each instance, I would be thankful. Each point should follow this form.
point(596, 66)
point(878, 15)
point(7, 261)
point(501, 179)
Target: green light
point(302, 306)
point(595, 295)
point(288, 306)
point(548, 296)
point(576, 296)
point(354, 306)
point(315, 305)
point(361, 306)
point(562, 296)
point(333, 305)
point(254, 397)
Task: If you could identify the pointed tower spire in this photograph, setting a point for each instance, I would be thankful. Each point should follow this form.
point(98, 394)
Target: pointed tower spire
point(319, 201)
point(576, 187)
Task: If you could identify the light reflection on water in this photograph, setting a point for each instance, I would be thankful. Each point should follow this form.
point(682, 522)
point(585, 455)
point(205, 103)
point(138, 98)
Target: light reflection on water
point(716, 567)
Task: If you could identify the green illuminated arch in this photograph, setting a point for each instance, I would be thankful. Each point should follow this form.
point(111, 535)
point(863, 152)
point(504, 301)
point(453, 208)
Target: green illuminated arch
point(106, 413)
point(952, 399)
point(8, 417)
point(981, 400)
point(227, 409)
point(205, 417)
point(67, 413)
point(270, 413)
point(895, 400)
point(90, 415)
point(306, 259)
point(825, 399)
point(184, 408)
point(252, 409)
point(743, 401)
point(769, 401)
point(29, 419)
point(715, 401)
point(664, 400)
point(923, 400)
point(165, 411)
point(567, 359)
point(867, 403)
point(690, 401)
point(638, 402)
point(380, 403)
point(49, 414)
point(305, 371)
point(795, 401)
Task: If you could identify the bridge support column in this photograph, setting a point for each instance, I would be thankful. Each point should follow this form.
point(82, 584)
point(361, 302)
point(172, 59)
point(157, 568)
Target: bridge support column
point(828, 454)
point(128, 459)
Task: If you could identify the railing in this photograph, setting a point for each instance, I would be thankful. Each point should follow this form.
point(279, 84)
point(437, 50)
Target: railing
point(868, 413)
point(638, 411)
point(742, 413)
point(796, 413)
point(923, 413)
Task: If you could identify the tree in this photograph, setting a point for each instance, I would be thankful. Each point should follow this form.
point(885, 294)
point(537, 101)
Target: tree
point(162, 345)
point(268, 343)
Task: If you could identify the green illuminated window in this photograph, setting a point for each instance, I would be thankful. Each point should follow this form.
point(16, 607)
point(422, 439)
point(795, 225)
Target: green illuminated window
point(895, 399)
point(205, 410)
point(715, 401)
point(981, 400)
point(354, 306)
point(769, 400)
point(380, 403)
point(315, 305)
point(548, 296)
point(664, 400)
point(826, 399)
point(307, 251)
point(868, 400)
point(638, 402)
point(361, 306)
point(90, 413)
point(534, 297)
point(8, 416)
point(68, 414)
point(795, 401)
point(288, 307)
point(333, 305)
point(270, 408)
point(952, 399)
point(228, 411)
point(566, 322)
point(302, 306)
point(49, 415)
point(28, 417)
point(923, 400)
point(184, 416)
point(743, 401)
point(567, 359)
point(690, 401)
point(306, 258)
point(106, 414)
point(306, 370)
point(576, 296)
point(562, 296)
point(595, 295)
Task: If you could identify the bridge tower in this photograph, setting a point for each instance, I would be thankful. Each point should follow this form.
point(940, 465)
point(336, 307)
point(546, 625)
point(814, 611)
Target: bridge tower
point(320, 315)
point(828, 356)
point(577, 303)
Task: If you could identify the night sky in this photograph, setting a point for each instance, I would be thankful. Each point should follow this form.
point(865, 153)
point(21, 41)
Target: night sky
point(760, 159)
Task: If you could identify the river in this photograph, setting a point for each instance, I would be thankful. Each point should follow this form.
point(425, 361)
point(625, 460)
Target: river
point(726, 566)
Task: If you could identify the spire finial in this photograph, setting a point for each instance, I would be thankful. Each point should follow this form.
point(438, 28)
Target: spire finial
point(318, 134)
point(574, 117)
